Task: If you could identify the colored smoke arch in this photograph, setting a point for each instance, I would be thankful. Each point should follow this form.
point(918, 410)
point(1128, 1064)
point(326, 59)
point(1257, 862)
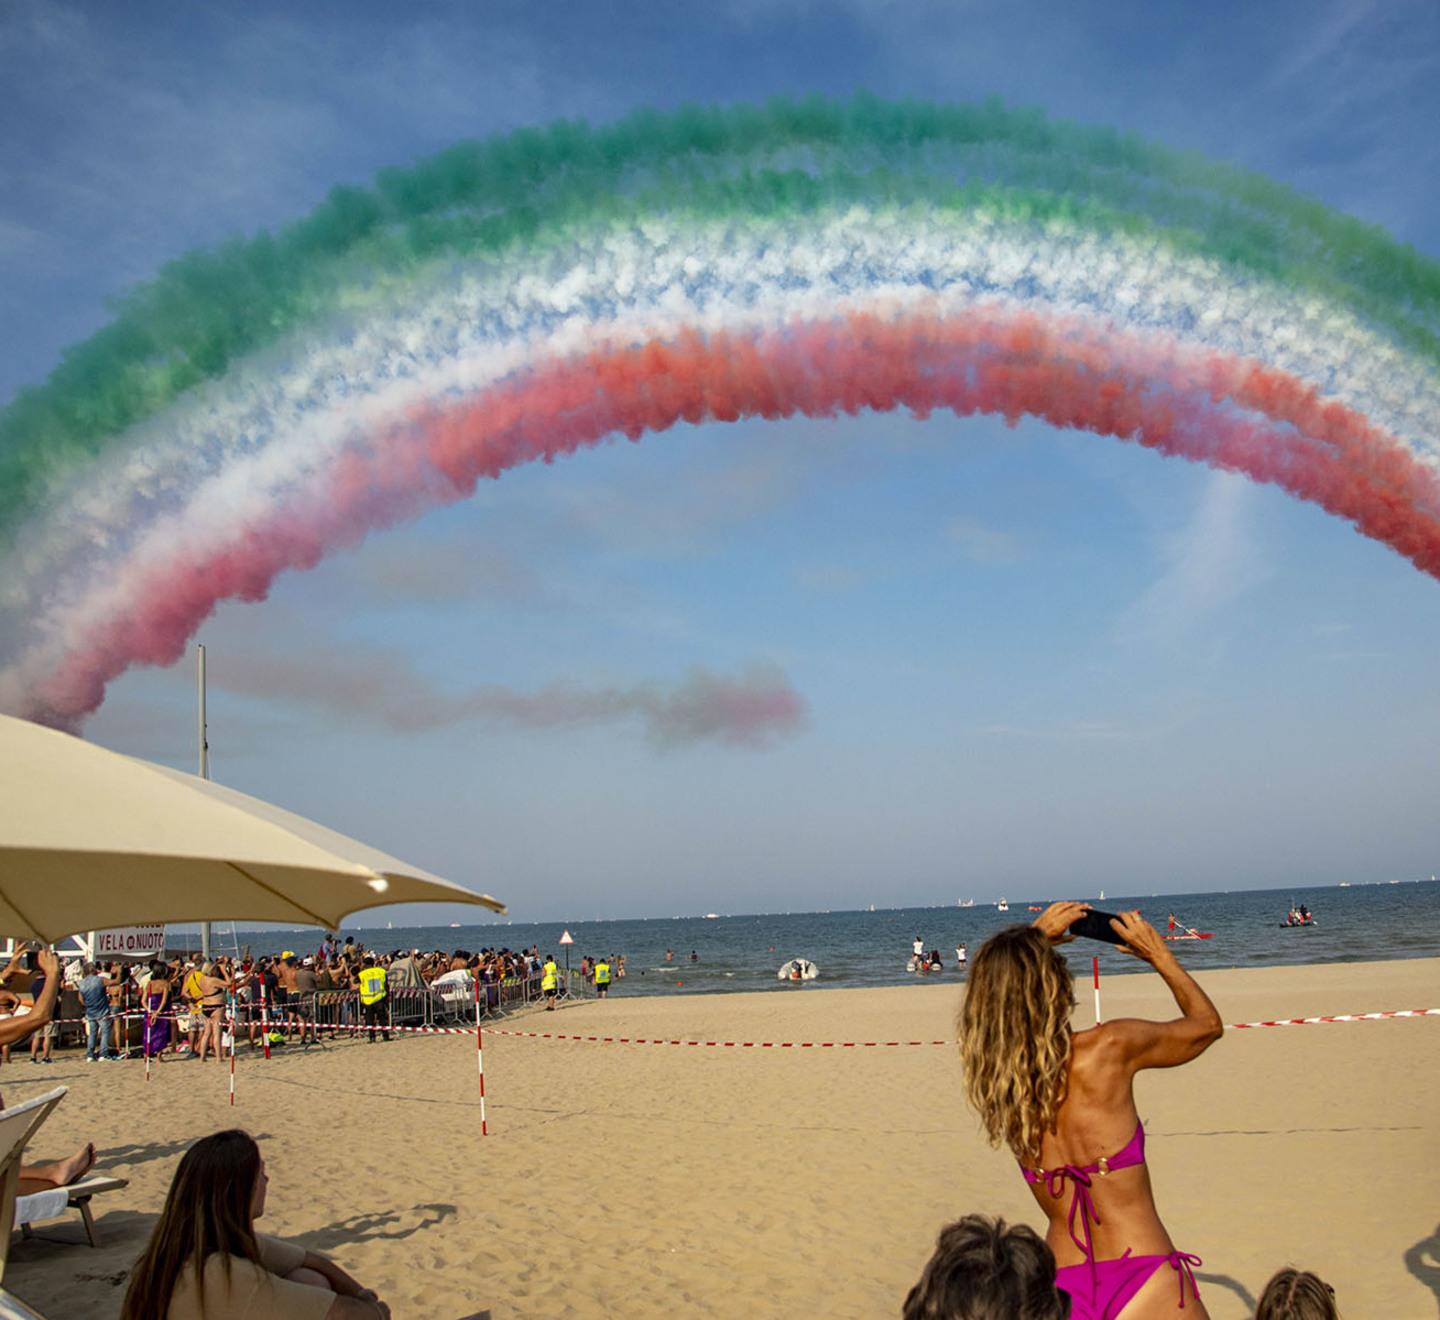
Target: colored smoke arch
point(262, 404)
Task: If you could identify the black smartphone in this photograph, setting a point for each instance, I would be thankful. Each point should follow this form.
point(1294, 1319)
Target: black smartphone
point(1095, 925)
point(30, 960)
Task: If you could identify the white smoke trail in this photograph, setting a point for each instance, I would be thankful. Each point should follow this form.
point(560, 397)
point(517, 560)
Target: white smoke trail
point(626, 272)
point(276, 425)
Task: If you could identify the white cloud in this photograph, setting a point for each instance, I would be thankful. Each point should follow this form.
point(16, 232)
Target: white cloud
point(981, 543)
point(1206, 565)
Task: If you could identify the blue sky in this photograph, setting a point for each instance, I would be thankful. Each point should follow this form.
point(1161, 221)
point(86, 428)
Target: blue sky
point(1033, 663)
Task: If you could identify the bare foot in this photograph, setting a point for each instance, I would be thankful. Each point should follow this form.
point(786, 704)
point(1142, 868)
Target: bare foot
point(76, 1167)
point(38, 1177)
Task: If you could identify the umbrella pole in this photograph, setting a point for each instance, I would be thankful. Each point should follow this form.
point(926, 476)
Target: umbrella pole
point(480, 1056)
point(230, 1009)
point(204, 750)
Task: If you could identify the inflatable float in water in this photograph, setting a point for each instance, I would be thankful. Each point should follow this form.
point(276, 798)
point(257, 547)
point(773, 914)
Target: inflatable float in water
point(798, 969)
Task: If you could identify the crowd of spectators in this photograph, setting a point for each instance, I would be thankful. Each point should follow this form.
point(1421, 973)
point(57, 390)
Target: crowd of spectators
point(176, 1007)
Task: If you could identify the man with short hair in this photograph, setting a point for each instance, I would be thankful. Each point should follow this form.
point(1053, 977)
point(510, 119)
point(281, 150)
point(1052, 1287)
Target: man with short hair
point(44, 1037)
point(286, 996)
point(194, 997)
point(984, 1269)
point(305, 987)
point(602, 979)
point(549, 980)
point(95, 997)
point(373, 998)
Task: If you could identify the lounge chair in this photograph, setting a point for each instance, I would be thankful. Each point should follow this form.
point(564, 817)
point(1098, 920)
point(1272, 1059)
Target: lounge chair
point(51, 1204)
point(17, 1126)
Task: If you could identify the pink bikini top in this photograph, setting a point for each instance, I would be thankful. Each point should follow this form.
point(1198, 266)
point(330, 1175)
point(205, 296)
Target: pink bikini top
point(1081, 1202)
point(1131, 1154)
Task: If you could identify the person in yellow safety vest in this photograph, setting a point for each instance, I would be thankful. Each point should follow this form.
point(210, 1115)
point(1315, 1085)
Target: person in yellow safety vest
point(548, 981)
point(194, 996)
point(373, 998)
point(602, 979)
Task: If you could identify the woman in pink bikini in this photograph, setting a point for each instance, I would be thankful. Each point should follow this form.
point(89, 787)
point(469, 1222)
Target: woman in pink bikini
point(1063, 1101)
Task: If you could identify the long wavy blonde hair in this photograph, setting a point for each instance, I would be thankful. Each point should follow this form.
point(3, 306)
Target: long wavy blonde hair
point(1015, 1037)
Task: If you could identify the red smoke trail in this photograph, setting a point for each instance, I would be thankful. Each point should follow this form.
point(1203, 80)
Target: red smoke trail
point(1230, 413)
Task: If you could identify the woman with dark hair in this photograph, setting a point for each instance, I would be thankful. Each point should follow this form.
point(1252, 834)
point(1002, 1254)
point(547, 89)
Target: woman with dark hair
point(157, 1004)
point(205, 1261)
point(1064, 1102)
point(983, 1269)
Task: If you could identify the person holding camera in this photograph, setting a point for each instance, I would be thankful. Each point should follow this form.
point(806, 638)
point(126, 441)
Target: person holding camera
point(1064, 1102)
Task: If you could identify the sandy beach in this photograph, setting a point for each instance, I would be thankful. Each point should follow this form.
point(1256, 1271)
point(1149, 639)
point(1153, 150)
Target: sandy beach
point(655, 1180)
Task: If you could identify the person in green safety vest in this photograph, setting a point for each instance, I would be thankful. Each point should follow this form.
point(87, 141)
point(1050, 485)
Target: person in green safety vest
point(549, 978)
point(374, 999)
point(602, 979)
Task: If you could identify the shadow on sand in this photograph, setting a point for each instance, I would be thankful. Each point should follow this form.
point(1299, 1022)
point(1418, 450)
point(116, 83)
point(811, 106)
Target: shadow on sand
point(1230, 1285)
point(1423, 1262)
point(373, 1228)
point(152, 1150)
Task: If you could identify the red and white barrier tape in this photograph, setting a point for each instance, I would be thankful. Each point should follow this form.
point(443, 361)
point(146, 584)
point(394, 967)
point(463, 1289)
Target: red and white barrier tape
point(1339, 1017)
point(800, 1044)
point(839, 1044)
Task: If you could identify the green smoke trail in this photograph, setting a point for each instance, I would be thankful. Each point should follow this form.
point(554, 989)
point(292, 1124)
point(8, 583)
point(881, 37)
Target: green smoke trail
point(539, 186)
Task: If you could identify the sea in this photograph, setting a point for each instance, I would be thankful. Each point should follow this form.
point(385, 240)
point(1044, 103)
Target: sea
point(744, 952)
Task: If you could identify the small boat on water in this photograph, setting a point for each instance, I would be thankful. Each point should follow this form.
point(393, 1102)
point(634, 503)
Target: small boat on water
point(966, 902)
point(1299, 915)
point(1002, 906)
point(1192, 935)
point(798, 969)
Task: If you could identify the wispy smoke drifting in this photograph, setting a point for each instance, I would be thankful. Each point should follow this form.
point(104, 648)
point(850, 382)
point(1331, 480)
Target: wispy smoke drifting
point(753, 709)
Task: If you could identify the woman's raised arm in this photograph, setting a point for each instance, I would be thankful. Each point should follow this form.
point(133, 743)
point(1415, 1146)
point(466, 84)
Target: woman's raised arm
point(1147, 1044)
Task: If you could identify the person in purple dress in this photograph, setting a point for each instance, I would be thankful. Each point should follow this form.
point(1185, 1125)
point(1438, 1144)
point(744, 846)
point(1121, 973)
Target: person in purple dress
point(157, 1005)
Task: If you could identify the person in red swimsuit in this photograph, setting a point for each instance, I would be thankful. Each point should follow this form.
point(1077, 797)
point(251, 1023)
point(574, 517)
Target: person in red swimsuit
point(1064, 1102)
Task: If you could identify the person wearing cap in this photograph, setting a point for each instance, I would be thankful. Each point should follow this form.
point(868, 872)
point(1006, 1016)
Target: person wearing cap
point(306, 986)
point(373, 997)
point(194, 997)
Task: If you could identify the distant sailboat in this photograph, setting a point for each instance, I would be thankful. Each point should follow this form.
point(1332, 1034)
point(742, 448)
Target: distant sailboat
point(1102, 895)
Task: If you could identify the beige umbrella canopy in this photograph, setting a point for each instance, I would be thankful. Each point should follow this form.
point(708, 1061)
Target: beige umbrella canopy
point(91, 839)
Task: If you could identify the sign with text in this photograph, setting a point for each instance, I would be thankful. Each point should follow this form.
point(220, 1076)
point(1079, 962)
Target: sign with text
point(130, 942)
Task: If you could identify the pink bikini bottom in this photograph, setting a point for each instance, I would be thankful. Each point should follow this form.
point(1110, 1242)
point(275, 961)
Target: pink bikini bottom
point(1101, 1289)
